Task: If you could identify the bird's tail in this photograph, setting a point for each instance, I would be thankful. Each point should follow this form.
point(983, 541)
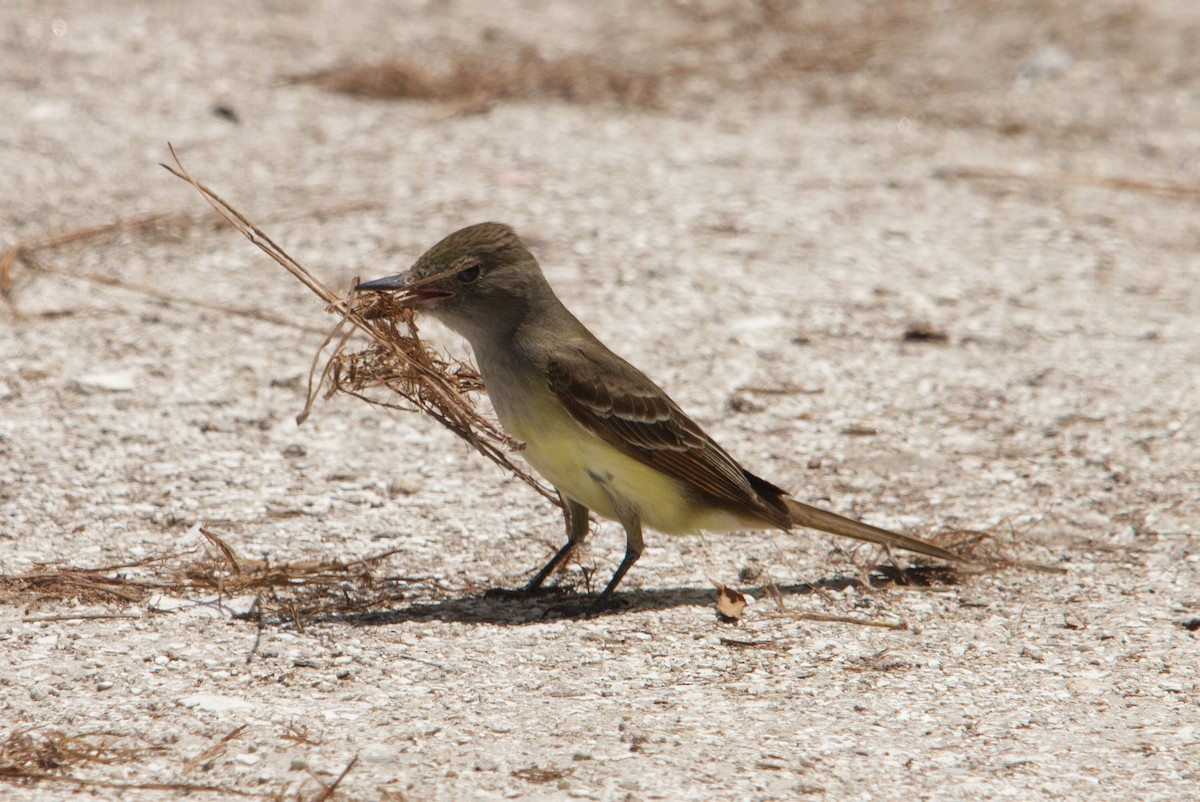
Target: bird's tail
point(814, 518)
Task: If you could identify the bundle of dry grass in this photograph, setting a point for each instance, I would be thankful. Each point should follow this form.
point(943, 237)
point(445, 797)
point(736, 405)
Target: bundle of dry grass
point(412, 376)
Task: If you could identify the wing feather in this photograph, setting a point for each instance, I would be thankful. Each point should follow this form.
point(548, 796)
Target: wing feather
point(623, 407)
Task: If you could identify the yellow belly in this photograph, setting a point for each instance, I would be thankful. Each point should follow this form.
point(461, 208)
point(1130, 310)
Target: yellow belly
point(590, 471)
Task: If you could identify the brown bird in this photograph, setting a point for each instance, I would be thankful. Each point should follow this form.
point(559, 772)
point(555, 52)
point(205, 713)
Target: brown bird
point(597, 428)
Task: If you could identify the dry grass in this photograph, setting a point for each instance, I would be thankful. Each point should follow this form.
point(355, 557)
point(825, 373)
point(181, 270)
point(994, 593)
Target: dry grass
point(28, 259)
point(39, 751)
point(107, 584)
point(297, 592)
point(475, 78)
point(1118, 183)
point(823, 50)
point(540, 776)
point(989, 551)
point(27, 253)
point(33, 756)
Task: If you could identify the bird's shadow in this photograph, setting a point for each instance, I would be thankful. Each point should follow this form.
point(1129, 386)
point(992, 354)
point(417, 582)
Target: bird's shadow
point(558, 603)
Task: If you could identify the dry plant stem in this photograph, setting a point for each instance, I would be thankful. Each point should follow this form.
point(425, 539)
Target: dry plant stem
point(27, 251)
point(843, 619)
point(82, 617)
point(329, 790)
point(150, 292)
point(24, 251)
point(214, 751)
point(397, 360)
point(1067, 179)
point(25, 777)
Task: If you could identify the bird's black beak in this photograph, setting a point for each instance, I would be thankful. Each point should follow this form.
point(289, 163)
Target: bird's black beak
point(412, 293)
point(395, 282)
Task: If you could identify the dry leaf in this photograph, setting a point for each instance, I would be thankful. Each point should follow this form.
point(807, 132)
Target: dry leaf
point(730, 603)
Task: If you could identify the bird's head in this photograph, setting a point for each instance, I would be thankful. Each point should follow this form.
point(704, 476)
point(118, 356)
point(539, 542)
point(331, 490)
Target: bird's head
point(480, 281)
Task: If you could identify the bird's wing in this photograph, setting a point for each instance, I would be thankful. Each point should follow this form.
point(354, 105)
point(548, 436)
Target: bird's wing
point(620, 405)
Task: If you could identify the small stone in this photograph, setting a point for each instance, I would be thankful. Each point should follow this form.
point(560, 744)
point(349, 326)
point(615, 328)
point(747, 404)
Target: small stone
point(214, 702)
point(240, 606)
point(117, 381)
point(379, 754)
point(1050, 61)
point(165, 604)
point(403, 486)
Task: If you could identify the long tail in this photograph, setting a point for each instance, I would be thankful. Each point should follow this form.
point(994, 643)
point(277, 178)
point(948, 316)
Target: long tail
point(814, 518)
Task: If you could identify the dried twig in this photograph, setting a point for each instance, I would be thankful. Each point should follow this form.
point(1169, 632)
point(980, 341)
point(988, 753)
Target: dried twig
point(213, 752)
point(843, 619)
point(329, 789)
point(414, 376)
point(82, 617)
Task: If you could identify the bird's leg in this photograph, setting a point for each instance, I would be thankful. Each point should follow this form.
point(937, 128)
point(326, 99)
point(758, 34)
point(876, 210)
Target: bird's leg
point(577, 531)
point(633, 549)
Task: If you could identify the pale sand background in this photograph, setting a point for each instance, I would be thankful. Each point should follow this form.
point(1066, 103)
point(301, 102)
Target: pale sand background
point(794, 201)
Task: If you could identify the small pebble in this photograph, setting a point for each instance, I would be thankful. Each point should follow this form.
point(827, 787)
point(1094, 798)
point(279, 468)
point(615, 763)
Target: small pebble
point(117, 381)
point(403, 486)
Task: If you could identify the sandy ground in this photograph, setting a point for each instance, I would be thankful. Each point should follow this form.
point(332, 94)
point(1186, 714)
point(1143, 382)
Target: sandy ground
point(783, 192)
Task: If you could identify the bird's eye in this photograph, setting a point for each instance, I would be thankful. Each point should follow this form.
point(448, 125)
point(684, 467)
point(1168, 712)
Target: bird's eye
point(468, 274)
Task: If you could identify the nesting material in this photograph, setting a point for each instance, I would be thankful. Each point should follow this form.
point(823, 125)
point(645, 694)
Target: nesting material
point(396, 369)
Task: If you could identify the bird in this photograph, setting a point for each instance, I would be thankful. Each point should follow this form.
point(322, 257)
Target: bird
point(599, 430)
